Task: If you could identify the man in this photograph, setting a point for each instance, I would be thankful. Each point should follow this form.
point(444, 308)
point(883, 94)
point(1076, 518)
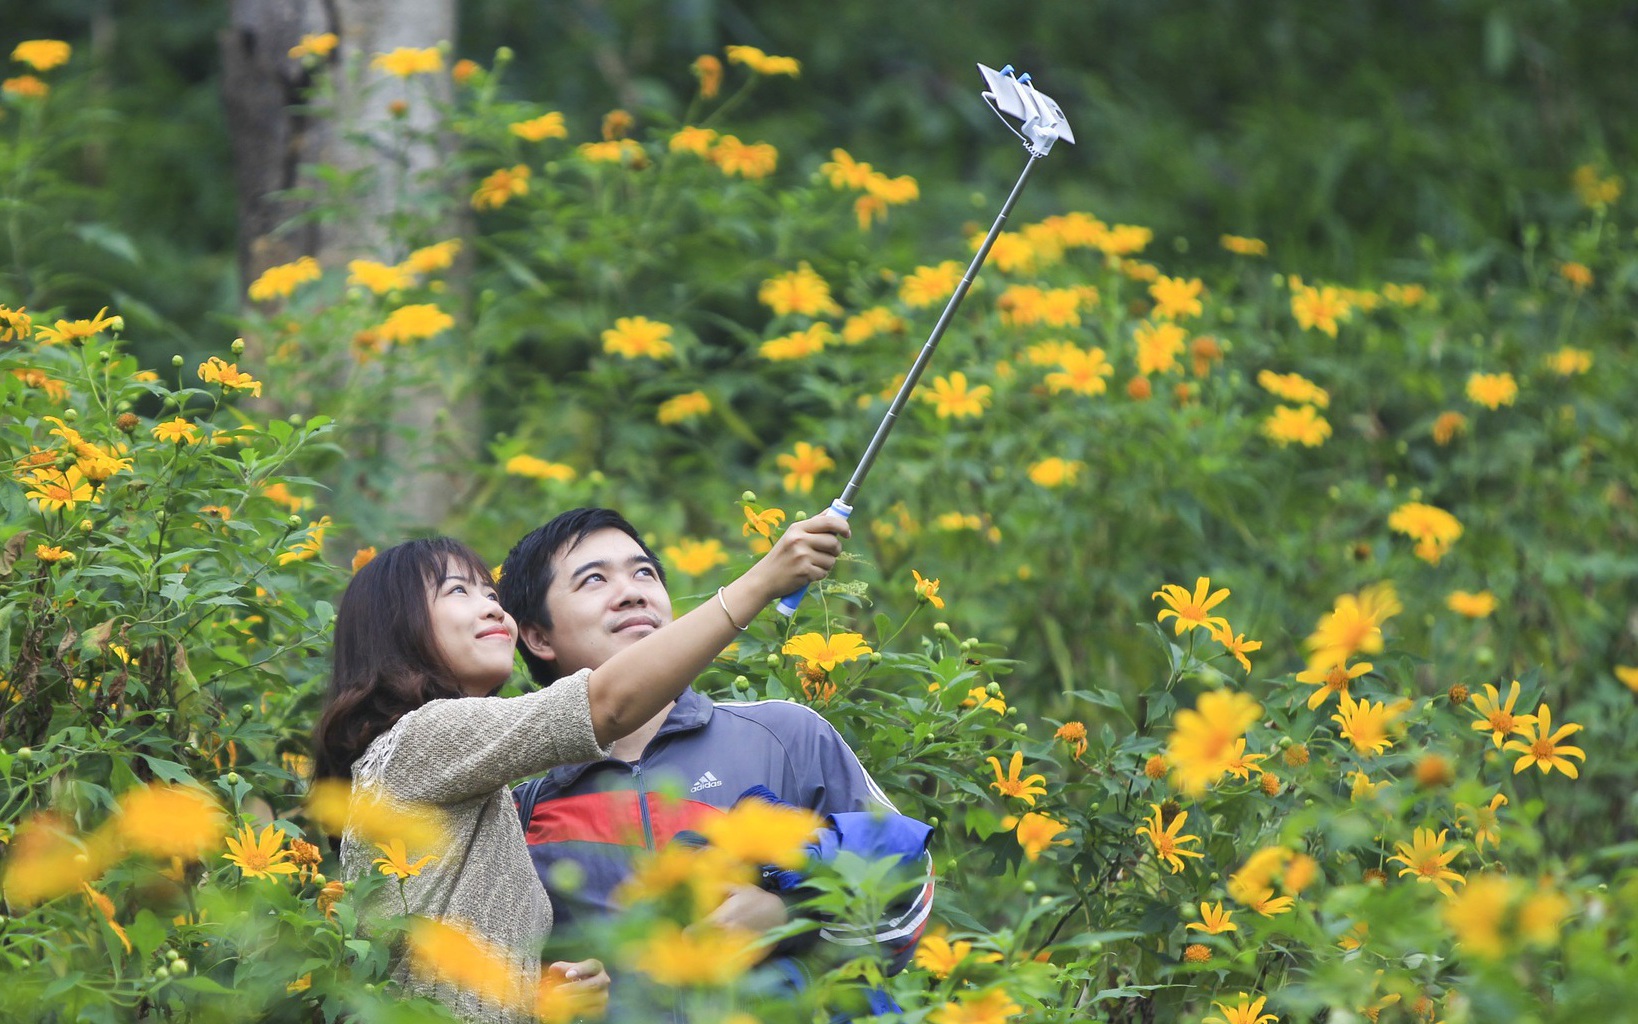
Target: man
point(582, 587)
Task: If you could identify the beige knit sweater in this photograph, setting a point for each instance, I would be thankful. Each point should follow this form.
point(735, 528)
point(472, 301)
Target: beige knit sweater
point(458, 756)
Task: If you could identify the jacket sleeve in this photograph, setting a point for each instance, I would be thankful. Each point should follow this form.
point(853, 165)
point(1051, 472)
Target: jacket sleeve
point(455, 750)
point(834, 782)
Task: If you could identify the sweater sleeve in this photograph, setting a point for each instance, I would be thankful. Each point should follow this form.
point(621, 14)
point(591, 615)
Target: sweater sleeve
point(454, 750)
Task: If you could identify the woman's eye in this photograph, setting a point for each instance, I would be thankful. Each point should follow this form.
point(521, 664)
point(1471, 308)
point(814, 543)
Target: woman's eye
point(457, 589)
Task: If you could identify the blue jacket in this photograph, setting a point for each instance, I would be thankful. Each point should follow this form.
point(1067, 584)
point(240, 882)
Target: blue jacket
point(599, 815)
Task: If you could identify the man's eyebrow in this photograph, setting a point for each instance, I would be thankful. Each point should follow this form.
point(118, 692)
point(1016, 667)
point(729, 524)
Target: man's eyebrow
point(603, 564)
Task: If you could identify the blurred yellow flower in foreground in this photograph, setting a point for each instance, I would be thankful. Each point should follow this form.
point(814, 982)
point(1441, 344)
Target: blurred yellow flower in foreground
point(804, 462)
point(1036, 832)
point(1569, 361)
point(682, 408)
point(705, 871)
point(539, 469)
point(406, 61)
point(1492, 390)
point(757, 832)
point(1051, 471)
point(638, 337)
point(1579, 275)
point(701, 955)
point(994, 1006)
point(1177, 297)
point(695, 557)
point(169, 821)
point(1478, 605)
point(333, 805)
point(445, 953)
point(44, 861)
point(1300, 425)
point(1293, 387)
point(1203, 738)
point(708, 69)
point(1352, 626)
point(1433, 529)
point(42, 54)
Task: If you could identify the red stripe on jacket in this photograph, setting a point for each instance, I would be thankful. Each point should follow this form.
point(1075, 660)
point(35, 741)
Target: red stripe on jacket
point(614, 818)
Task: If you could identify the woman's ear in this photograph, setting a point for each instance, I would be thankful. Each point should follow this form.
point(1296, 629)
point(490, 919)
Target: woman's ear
point(536, 642)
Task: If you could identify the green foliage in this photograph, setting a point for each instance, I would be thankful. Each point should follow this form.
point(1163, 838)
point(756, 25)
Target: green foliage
point(1106, 428)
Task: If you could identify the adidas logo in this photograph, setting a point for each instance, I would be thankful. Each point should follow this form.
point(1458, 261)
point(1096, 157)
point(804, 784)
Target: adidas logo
point(706, 781)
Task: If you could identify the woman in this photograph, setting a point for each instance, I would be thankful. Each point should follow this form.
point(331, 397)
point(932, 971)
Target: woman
point(421, 643)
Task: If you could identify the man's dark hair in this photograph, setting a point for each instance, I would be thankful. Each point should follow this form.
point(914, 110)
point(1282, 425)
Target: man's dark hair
point(386, 662)
point(527, 572)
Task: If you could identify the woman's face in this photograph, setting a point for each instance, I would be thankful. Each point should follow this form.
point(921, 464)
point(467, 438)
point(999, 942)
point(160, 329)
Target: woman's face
point(471, 632)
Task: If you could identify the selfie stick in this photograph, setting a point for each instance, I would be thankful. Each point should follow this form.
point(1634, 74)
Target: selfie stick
point(1009, 95)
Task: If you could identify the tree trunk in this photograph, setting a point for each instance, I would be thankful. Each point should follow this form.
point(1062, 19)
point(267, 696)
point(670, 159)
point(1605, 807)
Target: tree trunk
point(275, 144)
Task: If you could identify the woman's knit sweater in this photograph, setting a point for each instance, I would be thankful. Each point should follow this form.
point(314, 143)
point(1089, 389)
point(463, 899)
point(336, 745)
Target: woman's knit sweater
point(455, 758)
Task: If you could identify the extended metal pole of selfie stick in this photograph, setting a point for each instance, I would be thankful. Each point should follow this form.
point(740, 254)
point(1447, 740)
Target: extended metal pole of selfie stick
point(1043, 124)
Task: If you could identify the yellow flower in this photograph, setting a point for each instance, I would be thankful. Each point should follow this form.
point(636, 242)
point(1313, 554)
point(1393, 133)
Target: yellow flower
point(16, 325)
point(1301, 425)
point(827, 652)
point(1190, 609)
point(431, 258)
point(797, 344)
point(1082, 371)
point(215, 371)
point(1026, 305)
point(105, 907)
point(58, 489)
point(762, 523)
point(1321, 308)
point(395, 862)
point(925, 286)
point(1579, 275)
point(626, 152)
point(1010, 253)
point(1055, 472)
point(1036, 832)
point(25, 86)
point(539, 469)
point(637, 337)
point(1365, 725)
point(803, 463)
point(762, 63)
point(1433, 529)
point(1484, 820)
point(406, 61)
point(1475, 915)
point(980, 696)
point(1353, 626)
point(869, 323)
point(1447, 426)
point(1245, 1011)
point(939, 956)
point(1123, 240)
point(1541, 747)
point(68, 331)
point(1074, 734)
point(1203, 738)
point(1241, 246)
point(1492, 390)
point(447, 954)
point(363, 557)
point(747, 160)
point(1496, 716)
point(1569, 361)
point(800, 291)
point(333, 804)
point(1158, 347)
point(701, 955)
point(259, 856)
point(1595, 192)
point(47, 553)
point(537, 129)
point(1334, 679)
point(500, 187)
point(378, 277)
point(281, 281)
point(41, 54)
point(1168, 839)
point(1214, 920)
point(309, 545)
point(683, 407)
point(1293, 387)
point(1025, 788)
point(414, 322)
point(927, 590)
point(314, 45)
point(992, 1007)
point(756, 832)
point(1427, 859)
point(1241, 764)
point(708, 69)
point(695, 557)
point(953, 398)
point(1541, 914)
point(1238, 646)
point(1474, 606)
point(706, 873)
point(1628, 675)
point(1176, 297)
point(691, 139)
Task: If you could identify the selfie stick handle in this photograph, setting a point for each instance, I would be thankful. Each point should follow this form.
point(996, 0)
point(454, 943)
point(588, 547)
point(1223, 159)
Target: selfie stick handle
point(843, 506)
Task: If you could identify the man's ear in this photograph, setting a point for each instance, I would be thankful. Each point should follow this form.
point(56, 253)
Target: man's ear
point(534, 640)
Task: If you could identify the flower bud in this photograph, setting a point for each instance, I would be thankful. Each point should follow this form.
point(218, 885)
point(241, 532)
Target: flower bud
point(71, 414)
point(173, 955)
point(747, 496)
point(293, 521)
point(162, 974)
point(179, 967)
point(941, 627)
point(238, 346)
point(86, 526)
point(126, 422)
point(774, 661)
point(1029, 885)
point(232, 778)
point(177, 360)
point(740, 682)
point(106, 355)
point(875, 658)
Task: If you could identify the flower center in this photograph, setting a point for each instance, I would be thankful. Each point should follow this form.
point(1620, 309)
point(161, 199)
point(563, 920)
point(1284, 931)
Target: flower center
point(1542, 749)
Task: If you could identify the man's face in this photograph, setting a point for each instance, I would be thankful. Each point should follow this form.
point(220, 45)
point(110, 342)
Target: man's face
point(605, 595)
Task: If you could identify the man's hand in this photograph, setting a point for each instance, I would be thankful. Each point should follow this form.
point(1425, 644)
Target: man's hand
point(750, 908)
point(585, 985)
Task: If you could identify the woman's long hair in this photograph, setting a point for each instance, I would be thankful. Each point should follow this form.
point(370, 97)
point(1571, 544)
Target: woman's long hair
point(386, 662)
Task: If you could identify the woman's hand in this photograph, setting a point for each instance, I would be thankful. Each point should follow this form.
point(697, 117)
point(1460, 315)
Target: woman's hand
point(585, 985)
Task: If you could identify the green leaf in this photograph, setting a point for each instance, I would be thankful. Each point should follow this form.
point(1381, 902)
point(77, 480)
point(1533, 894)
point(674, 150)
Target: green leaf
point(170, 771)
point(146, 932)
